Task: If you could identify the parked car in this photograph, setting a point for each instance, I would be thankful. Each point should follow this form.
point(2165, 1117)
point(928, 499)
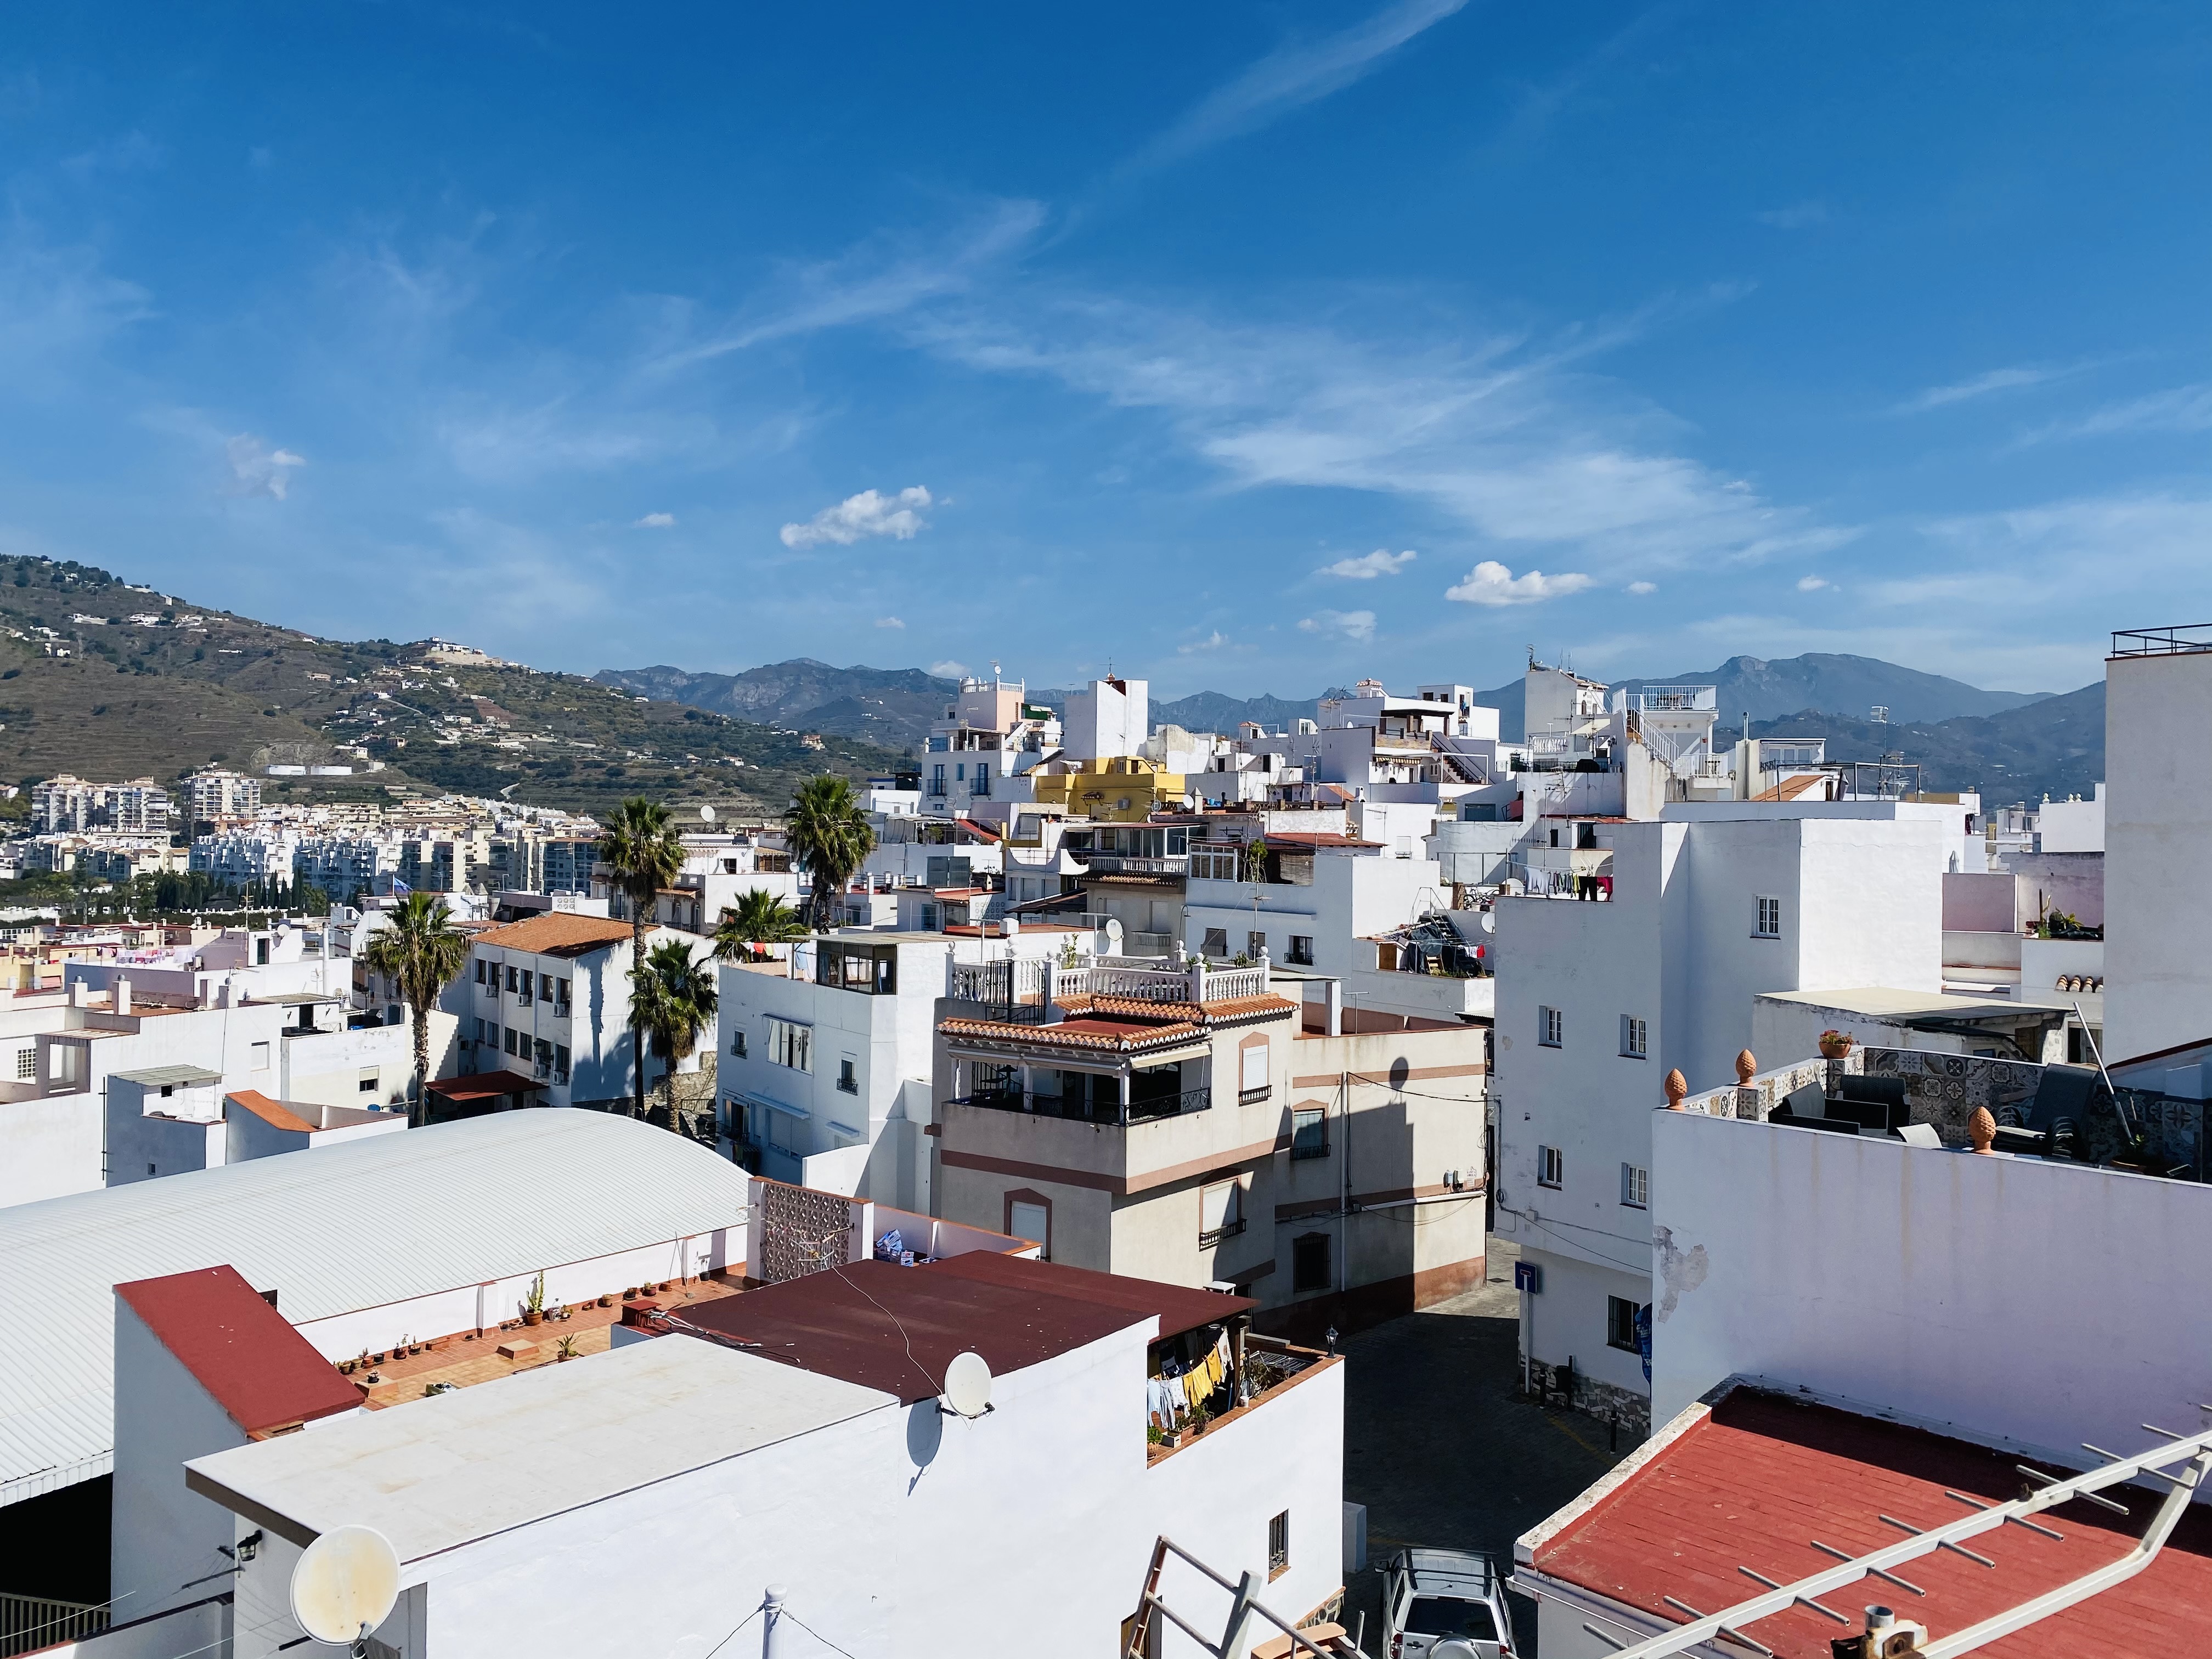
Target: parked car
point(1433, 1596)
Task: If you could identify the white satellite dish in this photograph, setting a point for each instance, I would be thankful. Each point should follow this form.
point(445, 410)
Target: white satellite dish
point(346, 1584)
point(706, 813)
point(967, 1385)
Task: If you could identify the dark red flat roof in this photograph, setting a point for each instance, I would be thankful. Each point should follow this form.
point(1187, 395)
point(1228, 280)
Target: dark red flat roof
point(897, 1328)
point(1179, 1307)
point(483, 1085)
point(1752, 1483)
point(244, 1352)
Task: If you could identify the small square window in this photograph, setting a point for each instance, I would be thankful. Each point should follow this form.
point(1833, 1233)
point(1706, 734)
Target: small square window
point(1622, 1321)
point(259, 1057)
point(1551, 1166)
point(1635, 1186)
point(1309, 1133)
point(846, 1079)
point(1255, 943)
point(1767, 921)
point(1278, 1545)
point(1633, 1035)
point(1309, 1263)
point(1551, 1027)
point(1216, 943)
point(738, 1043)
point(1302, 950)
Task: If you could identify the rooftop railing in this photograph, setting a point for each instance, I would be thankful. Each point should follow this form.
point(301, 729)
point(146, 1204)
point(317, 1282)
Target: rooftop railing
point(1677, 699)
point(2182, 640)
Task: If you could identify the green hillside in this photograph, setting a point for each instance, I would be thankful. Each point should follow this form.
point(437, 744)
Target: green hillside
point(109, 680)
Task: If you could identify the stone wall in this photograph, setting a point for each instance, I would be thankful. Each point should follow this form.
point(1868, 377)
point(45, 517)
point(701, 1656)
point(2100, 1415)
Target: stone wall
point(1561, 1385)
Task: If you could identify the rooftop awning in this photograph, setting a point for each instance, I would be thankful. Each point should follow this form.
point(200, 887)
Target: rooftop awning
point(182, 1076)
point(483, 1085)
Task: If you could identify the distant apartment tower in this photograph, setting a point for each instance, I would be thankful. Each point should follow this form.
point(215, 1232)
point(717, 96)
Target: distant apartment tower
point(524, 862)
point(343, 867)
point(213, 793)
point(67, 804)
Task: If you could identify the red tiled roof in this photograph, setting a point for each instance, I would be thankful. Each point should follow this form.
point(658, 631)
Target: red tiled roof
point(1752, 1482)
point(557, 934)
point(1178, 1307)
point(1314, 838)
point(897, 1328)
point(273, 1113)
point(1114, 1036)
point(243, 1351)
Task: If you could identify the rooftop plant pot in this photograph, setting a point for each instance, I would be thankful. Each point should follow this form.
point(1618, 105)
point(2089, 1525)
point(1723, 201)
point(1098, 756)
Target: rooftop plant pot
point(533, 1316)
point(607, 1301)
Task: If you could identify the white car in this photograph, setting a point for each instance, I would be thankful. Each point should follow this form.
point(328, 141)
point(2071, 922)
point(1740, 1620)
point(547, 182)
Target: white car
point(1434, 1596)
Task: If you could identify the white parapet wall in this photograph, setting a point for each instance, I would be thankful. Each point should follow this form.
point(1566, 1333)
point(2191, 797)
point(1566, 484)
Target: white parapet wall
point(1929, 1282)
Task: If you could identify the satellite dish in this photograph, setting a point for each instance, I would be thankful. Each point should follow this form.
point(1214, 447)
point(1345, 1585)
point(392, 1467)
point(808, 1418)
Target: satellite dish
point(346, 1584)
point(706, 813)
point(967, 1385)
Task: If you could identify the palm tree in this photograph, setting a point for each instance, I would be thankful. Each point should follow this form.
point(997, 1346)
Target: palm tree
point(420, 952)
point(674, 999)
point(642, 851)
point(826, 829)
point(759, 918)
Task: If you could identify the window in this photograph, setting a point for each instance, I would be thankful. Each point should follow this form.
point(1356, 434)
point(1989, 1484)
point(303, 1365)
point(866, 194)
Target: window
point(27, 1064)
point(1550, 1027)
point(1555, 836)
point(1586, 836)
point(1254, 944)
point(1622, 1321)
point(259, 1057)
point(1551, 1166)
point(488, 1031)
point(790, 1043)
point(1309, 1133)
point(506, 1039)
point(1279, 1545)
point(1220, 1212)
point(846, 1080)
point(560, 1064)
point(367, 1083)
point(1633, 1035)
point(1635, 1186)
point(510, 976)
point(738, 1043)
point(480, 970)
point(1309, 1265)
point(1767, 920)
point(546, 988)
point(1216, 943)
point(522, 986)
point(1302, 950)
point(1252, 1074)
point(561, 997)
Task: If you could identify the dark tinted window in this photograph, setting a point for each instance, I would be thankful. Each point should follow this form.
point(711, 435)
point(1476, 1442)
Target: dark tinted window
point(1442, 1616)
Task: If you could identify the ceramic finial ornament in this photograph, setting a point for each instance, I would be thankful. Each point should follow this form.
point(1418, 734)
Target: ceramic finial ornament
point(1677, 1087)
point(1982, 1129)
point(1747, 1066)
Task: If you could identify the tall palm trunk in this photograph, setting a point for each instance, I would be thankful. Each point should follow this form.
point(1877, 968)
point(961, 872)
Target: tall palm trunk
point(420, 1113)
point(636, 1014)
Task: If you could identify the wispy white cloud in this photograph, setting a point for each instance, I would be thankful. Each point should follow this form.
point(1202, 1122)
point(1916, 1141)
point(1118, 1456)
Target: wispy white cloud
point(1798, 215)
point(946, 669)
point(656, 522)
point(1812, 584)
point(1352, 624)
point(2183, 409)
point(1520, 442)
point(1491, 583)
point(888, 622)
point(1641, 588)
point(2015, 379)
point(1368, 566)
point(1290, 77)
point(257, 469)
point(880, 278)
point(867, 515)
point(1212, 641)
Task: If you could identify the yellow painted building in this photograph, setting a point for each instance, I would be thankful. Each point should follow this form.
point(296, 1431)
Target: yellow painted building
point(1119, 789)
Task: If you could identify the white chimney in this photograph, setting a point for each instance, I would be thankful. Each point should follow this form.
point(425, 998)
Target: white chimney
point(79, 996)
point(122, 993)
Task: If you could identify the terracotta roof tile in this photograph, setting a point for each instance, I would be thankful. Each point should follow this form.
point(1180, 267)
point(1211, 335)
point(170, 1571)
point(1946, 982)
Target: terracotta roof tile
point(1105, 1035)
point(558, 933)
point(274, 1114)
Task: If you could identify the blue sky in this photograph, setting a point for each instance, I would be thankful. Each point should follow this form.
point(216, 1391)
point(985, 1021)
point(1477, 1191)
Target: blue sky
point(1252, 347)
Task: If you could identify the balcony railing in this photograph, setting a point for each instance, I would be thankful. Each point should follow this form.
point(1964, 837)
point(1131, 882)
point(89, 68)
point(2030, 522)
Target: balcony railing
point(2179, 641)
point(1075, 1109)
point(1213, 1236)
point(1130, 864)
point(1677, 699)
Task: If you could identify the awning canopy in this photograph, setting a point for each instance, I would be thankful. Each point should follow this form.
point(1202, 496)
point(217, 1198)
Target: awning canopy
point(483, 1085)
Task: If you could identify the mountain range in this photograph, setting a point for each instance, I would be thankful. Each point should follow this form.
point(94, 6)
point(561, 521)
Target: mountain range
point(2013, 745)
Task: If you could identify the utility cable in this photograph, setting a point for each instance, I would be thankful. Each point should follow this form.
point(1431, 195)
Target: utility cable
point(815, 1633)
point(733, 1636)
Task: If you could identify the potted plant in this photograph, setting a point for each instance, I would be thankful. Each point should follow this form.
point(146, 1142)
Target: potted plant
point(1834, 1044)
point(607, 1301)
point(534, 1305)
point(345, 1367)
point(567, 1350)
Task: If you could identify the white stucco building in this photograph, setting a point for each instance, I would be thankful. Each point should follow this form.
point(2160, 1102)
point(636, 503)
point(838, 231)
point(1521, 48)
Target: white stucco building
point(1598, 1000)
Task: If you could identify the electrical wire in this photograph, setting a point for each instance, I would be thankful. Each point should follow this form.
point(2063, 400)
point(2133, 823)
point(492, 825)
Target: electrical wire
point(733, 1636)
point(815, 1633)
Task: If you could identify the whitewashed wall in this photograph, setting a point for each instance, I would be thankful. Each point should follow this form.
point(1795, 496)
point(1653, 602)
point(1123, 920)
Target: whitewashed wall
point(50, 1147)
point(1930, 1282)
point(2158, 837)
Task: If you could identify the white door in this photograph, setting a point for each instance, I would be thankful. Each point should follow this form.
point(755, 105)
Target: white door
point(1034, 1222)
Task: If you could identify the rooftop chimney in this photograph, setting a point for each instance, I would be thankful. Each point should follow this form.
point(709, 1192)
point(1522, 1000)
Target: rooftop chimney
point(122, 993)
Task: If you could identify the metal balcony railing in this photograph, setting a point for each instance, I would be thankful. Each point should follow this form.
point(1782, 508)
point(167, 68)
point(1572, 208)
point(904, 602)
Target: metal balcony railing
point(2179, 641)
point(1677, 699)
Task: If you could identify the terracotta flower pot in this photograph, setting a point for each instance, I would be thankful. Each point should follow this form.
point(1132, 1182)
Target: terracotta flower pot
point(533, 1316)
point(607, 1301)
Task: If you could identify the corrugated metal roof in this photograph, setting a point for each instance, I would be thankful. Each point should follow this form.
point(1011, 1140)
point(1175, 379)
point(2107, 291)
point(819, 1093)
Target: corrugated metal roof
point(359, 1224)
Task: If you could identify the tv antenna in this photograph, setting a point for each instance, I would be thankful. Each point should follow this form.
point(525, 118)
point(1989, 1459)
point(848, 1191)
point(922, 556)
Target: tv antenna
point(966, 1386)
point(344, 1586)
